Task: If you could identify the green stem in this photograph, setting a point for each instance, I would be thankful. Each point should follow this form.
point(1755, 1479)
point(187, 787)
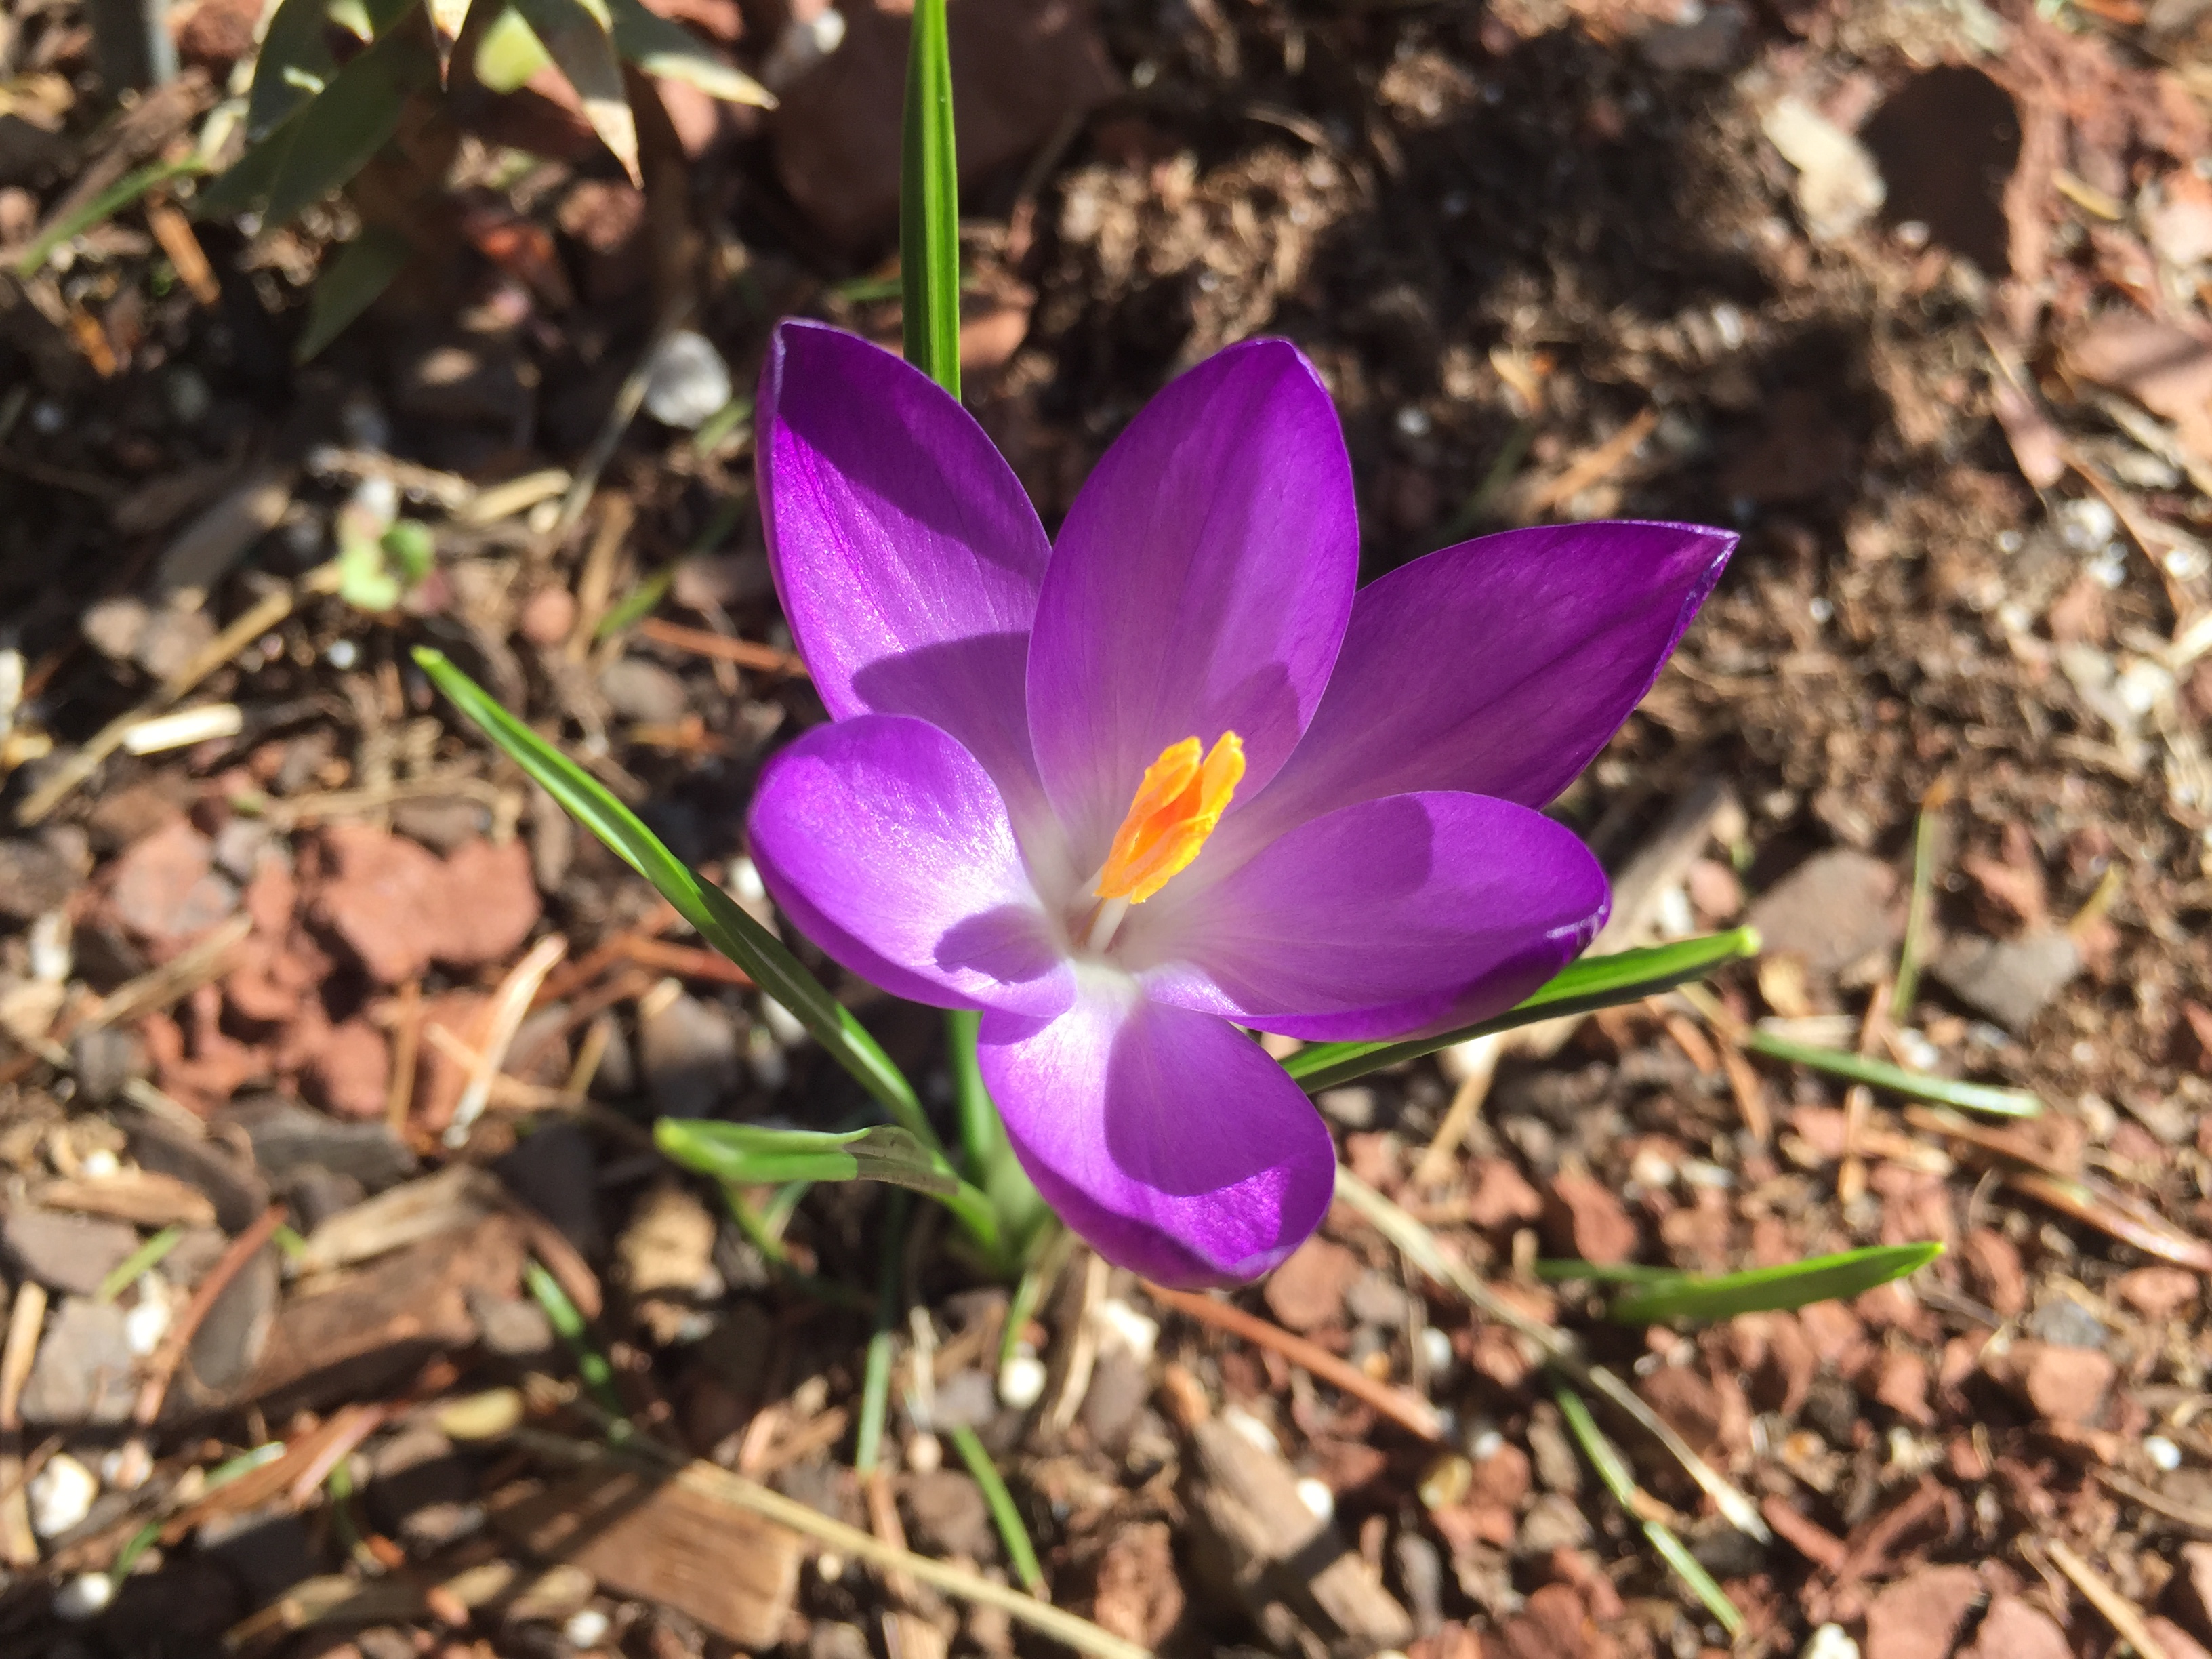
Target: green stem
point(1003, 1515)
point(876, 1389)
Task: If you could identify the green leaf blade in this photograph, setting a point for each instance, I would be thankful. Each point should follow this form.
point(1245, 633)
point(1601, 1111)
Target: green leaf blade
point(363, 269)
point(750, 1156)
point(1996, 1099)
point(717, 916)
point(1768, 1290)
point(348, 121)
point(1581, 987)
point(929, 204)
point(576, 33)
point(667, 51)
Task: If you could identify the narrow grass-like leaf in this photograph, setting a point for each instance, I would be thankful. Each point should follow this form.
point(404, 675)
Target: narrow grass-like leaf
point(109, 202)
point(1003, 1515)
point(568, 1324)
point(140, 1262)
point(636, 605)
point(1612, 1470)
point(508, 53)
point(1562, 1270)
point(929, 204)
point(363, 269)
point(350, 120)
point(294, 64)
point(1579, 987)
point(668, 50)
point(986, 1154)
point(981, 1133)
point(1762, 1290)
point(705, 906)
point(576, 33)
point(876, 1378)
point(751, 1155)
point(1994, 1098)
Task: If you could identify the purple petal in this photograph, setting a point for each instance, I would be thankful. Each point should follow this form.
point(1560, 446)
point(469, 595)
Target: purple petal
point(1408, 914)
point(1201, 585)
point(907, 557)
point(886, 842)
point(1500, 666)
point(1168, 1139)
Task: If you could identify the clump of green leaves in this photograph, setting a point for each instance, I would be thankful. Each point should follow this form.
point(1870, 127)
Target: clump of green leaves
point(337, 83)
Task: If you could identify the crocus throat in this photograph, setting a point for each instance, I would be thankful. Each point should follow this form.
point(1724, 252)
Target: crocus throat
point(1179, 801)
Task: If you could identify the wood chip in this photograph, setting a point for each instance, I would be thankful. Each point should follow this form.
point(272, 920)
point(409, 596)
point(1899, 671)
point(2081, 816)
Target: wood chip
point(660, 1541)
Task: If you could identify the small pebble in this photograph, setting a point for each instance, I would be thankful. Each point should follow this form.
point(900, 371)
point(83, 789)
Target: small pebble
point(1315, 1496)
point(341, 654)
point(1436, 1350)
point(924, 1454)
point(1413, 421)
point(689, 381)
point(586, 1628)
point(2162, 1453)
point(1648, 1168)
point(61, 1495)
point(1830, 1642)
point(1253, 1430)
point(147, 1320)
point(1021, 1382)
point(100, 1164)
point(1132, 1329)
point(830, 1566)
point(85, 1596)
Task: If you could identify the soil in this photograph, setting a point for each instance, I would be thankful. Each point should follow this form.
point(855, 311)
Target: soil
point(1914, 297)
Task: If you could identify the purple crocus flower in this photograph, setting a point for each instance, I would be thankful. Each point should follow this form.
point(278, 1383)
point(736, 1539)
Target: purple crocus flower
point(1170, 775)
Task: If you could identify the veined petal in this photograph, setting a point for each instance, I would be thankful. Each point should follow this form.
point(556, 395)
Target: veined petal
point(1199, 586)
point(887, 843)
point(1379, 920)
point(1166, 1139)
point(905, 552)
point(1500, 666)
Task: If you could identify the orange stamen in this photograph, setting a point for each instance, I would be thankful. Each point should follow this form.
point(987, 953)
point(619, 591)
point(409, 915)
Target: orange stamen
point(1179, 801)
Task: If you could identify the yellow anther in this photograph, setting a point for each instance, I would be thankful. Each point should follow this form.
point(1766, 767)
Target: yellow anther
point(1177, 805)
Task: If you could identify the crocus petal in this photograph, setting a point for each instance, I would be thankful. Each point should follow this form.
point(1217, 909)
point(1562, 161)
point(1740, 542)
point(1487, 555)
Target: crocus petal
point(1168, 1139)
point(1379, 920)
point(1199, 585)
point(1498, 667)
point(906, 554)
point(887, 843)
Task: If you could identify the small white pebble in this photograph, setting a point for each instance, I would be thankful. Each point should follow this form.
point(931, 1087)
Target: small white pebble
point(687, 382)
point(924, 1454)
point(1830, 1642)
point(85, 1596)
point(100, 1164)
point(1414, 421)
point(586, 1628)
point(2162, 1452)
point(1021, 1382)
point(148, 1321)
point(2010, 541)
point(1820, 610)
point(1132, 1329)
point(1648, 1168)
point(61, 1495)
point(1436, 1349)
point(1699, 1173)
point(1485, 1445)
point(1253, 1430)
point(341, 654)
point(830, 1566)
point(1317, 1495)
point(376, 499)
